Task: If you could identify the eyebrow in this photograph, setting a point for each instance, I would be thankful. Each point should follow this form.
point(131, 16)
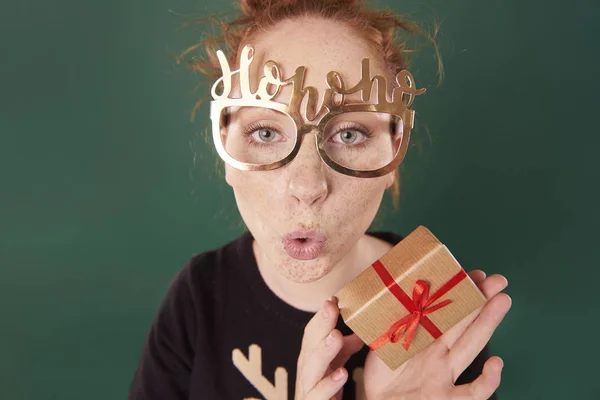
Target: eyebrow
point(237, 110)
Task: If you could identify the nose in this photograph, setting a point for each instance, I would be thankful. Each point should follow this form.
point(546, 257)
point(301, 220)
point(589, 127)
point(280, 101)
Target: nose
point(307, 182)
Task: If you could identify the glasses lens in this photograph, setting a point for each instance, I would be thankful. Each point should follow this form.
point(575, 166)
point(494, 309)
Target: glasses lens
point(257, 135)
point(363, 140)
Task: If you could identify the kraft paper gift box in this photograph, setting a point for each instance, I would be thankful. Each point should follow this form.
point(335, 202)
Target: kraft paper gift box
point(408, 298)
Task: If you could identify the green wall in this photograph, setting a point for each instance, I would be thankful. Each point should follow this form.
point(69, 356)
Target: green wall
point(107, 188)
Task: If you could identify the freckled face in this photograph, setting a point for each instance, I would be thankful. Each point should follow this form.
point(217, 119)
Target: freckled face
point(306, 194)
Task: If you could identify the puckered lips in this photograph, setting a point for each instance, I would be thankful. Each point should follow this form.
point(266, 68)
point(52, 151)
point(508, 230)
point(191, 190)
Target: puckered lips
point(304, 245)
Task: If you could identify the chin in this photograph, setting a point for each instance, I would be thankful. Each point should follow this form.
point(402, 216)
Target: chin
point(304, 271)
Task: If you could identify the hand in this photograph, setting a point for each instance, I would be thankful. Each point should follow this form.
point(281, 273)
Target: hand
point(321, 374)
point(431, 373)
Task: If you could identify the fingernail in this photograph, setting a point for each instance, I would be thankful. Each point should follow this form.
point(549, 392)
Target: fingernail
point(338, 375)
point(329, 340)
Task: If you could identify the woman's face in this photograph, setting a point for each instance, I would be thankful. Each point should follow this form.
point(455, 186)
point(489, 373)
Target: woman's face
point(305, 217)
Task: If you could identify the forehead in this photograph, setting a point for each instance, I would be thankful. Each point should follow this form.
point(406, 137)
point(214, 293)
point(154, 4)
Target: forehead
point(319, 45)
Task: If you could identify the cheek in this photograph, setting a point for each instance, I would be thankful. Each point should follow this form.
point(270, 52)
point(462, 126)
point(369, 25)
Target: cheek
point(243, 184)
point(252, 191)
point(364, 191)
point(358, 199)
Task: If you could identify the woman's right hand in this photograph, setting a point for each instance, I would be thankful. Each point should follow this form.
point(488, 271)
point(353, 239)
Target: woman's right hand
point(321, 374)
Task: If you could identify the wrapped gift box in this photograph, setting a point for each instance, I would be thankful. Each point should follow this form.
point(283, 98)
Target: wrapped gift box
point(408, 298)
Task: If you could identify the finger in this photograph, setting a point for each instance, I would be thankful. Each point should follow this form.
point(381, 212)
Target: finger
point(351, 345)
point(491, 286)
point(329, 386)
point(470, 344)
point(315, 367)
point(477, 276)
point(485, 385)
point(320, 325)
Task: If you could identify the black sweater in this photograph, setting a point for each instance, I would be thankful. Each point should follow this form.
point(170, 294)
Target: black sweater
point(221, 333)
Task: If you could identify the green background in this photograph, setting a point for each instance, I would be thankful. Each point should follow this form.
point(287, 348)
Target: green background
point(107, 187)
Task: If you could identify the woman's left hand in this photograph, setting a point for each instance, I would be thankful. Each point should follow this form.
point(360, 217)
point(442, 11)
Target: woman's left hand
point(432, 372)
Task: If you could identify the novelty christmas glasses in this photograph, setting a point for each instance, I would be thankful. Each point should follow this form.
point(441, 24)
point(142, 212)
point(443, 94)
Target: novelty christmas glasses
point(255, 131)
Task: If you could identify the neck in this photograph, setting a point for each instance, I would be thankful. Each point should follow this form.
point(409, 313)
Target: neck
point(310, 296)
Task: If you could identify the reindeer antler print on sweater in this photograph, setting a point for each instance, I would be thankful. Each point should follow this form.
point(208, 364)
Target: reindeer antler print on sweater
point(251, 368)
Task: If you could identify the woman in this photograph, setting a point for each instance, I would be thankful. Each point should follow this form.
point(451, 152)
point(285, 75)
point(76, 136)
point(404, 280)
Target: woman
point(309, 154)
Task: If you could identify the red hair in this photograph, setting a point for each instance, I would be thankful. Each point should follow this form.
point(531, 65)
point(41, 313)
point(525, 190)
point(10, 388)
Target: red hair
point(386, 31)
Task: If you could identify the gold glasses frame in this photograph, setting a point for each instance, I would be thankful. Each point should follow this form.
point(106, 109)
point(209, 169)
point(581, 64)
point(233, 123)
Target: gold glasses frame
point(333, 105)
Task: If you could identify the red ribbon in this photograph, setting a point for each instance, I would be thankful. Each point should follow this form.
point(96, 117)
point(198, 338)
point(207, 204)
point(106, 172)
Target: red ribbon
point(418, 307)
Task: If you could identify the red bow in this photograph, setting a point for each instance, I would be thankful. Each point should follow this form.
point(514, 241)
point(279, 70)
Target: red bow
point(419, 306)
